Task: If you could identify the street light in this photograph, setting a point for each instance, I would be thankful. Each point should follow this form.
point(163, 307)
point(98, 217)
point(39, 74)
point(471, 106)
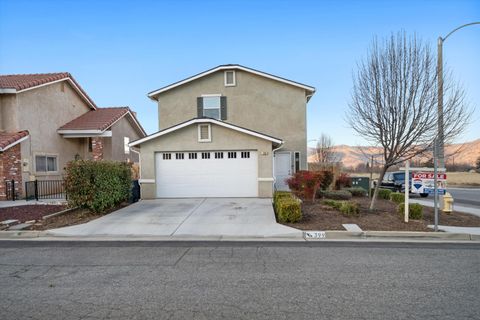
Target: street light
point(440, 138)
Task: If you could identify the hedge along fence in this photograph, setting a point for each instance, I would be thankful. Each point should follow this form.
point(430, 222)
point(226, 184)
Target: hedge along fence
point(97, 185)
point(287, 207)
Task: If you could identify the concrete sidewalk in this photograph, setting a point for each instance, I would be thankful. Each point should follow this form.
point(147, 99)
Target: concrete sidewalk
point(466, 230)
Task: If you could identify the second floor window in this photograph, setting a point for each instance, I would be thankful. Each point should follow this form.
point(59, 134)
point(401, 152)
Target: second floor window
point(211, 107)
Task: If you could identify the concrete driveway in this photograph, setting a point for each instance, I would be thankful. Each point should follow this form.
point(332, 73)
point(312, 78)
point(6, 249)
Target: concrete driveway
point(199, 217)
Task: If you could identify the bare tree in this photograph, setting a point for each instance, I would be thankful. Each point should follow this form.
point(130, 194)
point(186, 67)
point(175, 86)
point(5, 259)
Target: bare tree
point(394, 101)
point(324, 150)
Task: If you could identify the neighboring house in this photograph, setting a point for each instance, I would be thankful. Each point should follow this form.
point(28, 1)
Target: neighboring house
point(230, 131)
point(47, 120)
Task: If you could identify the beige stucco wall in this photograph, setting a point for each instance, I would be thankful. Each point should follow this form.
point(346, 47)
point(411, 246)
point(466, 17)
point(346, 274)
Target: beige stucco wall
point(186, 139)
point(42, 111)
point(8, 112)
point(123, 128)
point(256, 103)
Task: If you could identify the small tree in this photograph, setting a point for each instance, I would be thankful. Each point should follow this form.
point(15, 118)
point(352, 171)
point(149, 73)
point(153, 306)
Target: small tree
point(324, 150)
point(394, 101)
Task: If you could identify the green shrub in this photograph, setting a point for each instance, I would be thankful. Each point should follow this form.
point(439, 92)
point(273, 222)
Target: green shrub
point(327, 179)
point(97, 185)
point(288, 210)
point(397, 197)
point(415, 210)
point(356, 191)
point(349, 208)
point(346, 207)
point(281, 194)
point(337, 195)
point(333, 203)
point(384, 194)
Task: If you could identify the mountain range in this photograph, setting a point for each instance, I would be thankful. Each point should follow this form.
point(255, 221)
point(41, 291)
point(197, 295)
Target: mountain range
point(351, 156)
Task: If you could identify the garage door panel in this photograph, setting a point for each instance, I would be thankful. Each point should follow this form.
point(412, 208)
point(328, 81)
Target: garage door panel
point(207, 177)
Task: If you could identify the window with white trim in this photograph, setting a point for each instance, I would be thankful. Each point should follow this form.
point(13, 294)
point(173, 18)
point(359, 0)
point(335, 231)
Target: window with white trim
point(245, 154)
point(167, 156)
point(204, 133)
point(232, 155)
point(211, 107)
point(45, 163)
point(205, 155)
point(230, 79)
point(218, 155)
point(192, 155)
point(179, 156)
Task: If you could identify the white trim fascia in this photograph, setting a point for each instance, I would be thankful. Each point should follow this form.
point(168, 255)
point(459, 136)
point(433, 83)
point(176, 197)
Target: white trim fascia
point(15, 143)
point(64, 79)
point(73, 131)
point(265, 179)
point(220, 123)
point(145, 181)
point(212, 95)
point(225, 78)
point(233, 67)
point(8, 90)
point(209, 139)
point(106, 134)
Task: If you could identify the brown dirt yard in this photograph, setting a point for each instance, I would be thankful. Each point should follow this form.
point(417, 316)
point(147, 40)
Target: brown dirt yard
point(317, 216)
point(29, 212)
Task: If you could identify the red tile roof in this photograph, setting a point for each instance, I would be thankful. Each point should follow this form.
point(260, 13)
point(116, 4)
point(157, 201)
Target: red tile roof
point(25, 81)
point(7, 138)
point(100, 119)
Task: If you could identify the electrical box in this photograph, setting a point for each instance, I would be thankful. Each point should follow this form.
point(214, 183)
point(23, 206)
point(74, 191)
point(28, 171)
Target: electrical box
point(361, 182)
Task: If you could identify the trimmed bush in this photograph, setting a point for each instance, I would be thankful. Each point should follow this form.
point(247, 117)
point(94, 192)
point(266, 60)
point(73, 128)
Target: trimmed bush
point(281, 194)
point(337, 195)
point(97, 185)
point(346, 207)
point(397, 197)
point(333, 203)
point(384, 194)
point(288, 210)
point(356, 191)
point(415, 210)
point(349, 208)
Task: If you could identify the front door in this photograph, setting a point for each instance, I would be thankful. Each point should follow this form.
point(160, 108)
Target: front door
point(283, 170)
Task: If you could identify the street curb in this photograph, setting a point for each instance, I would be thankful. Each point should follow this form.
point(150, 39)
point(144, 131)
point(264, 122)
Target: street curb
point(412, 235)
point(364, 236)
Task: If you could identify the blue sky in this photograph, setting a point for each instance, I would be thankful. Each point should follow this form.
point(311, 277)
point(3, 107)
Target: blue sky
point(118, 51)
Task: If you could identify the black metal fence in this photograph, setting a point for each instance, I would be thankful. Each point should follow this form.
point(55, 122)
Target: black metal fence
point(10, 192)
point(45, 189)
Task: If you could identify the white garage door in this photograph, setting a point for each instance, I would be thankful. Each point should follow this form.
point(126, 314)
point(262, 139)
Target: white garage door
point(206, 174)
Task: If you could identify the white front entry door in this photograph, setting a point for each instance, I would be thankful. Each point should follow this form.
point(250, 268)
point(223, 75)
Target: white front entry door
point(283, 170)
point(206, 174)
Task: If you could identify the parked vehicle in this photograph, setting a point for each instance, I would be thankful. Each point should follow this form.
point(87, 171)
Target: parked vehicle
point(395, 181)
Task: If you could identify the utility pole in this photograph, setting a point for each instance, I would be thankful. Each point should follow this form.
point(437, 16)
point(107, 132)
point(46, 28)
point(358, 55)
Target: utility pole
point(435, 188)
point(440, 135)
point(371, 179)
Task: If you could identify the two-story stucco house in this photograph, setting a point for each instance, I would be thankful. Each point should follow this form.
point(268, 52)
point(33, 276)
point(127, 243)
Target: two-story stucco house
point(47, 120)
point(230, 131)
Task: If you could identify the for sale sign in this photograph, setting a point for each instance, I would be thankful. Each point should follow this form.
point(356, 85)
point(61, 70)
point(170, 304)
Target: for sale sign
point(424, 182)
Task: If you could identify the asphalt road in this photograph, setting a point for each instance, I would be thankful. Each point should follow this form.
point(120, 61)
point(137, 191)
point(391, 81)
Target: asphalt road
point(239, 281)
point(462, 196)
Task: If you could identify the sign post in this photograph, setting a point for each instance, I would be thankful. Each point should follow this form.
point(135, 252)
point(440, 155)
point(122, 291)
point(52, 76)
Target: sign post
point(407, 188)
point(435, 187)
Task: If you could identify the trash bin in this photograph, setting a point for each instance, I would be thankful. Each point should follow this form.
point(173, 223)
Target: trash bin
point(447, 203)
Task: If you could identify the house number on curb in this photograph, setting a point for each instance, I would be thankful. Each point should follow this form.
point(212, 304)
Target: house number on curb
point(315, 235)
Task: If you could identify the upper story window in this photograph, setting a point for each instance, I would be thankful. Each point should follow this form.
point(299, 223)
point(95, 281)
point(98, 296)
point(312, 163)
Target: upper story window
point(230, 80)
point(212, 106)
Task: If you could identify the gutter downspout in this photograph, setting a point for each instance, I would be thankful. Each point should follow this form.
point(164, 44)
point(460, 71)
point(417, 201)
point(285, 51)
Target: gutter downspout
point(273, 165)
